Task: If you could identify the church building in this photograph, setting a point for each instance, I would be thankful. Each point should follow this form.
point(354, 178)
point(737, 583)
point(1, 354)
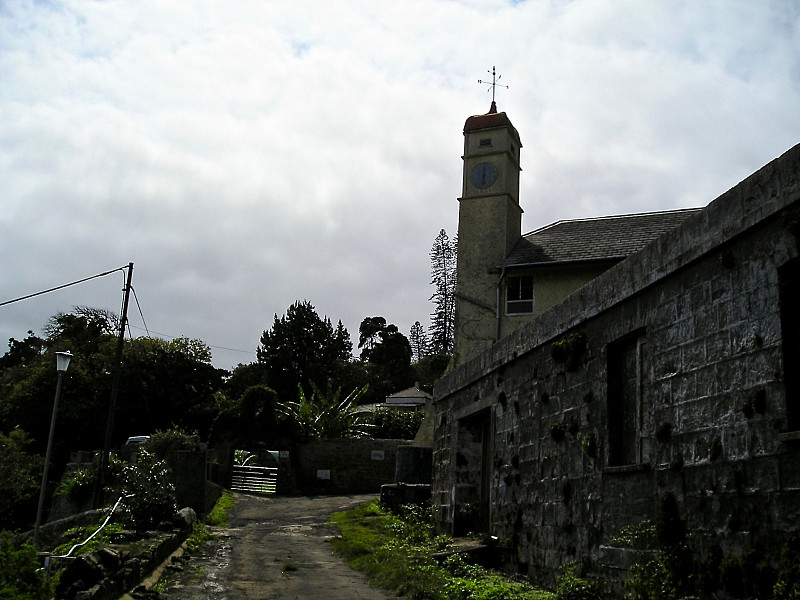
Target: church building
point(626, 373)
point(506, 278)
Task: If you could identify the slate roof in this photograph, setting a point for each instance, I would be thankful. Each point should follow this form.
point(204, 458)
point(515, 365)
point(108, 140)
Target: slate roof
point(412, 395)
point(598, 239)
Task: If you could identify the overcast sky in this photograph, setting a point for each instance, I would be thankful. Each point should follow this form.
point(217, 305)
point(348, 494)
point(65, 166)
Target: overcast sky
point(248, 154)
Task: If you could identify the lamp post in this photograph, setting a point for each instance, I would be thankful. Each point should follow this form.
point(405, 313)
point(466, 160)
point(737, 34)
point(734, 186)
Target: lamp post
point(62, 362)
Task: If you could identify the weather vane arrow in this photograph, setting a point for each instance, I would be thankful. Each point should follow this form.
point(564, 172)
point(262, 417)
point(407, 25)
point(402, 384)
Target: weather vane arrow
point(492, 84)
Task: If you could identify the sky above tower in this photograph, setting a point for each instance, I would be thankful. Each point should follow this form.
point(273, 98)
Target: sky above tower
point(248, 154)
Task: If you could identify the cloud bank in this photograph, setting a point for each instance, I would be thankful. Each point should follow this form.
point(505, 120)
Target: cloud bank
point(246, 155)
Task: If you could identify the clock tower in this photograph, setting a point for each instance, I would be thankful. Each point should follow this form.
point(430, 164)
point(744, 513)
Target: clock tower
point(489, 224)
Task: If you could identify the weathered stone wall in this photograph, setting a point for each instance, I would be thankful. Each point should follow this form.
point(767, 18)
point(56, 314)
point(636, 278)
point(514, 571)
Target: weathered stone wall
point(664, 376)
point(188, 475)
point(356, 466)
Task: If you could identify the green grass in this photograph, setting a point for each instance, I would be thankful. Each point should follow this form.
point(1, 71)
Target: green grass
point(218, 516)
point(396, 555)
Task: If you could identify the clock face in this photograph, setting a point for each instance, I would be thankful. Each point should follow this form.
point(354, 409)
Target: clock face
point(483, 175)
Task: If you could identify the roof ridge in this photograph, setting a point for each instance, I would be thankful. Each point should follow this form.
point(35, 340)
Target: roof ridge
point(611, 217)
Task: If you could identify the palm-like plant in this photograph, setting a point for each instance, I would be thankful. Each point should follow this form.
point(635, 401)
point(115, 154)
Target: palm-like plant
point(326, 414)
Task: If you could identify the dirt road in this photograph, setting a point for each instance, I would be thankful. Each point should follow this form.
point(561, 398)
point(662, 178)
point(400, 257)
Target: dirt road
point(275, 548)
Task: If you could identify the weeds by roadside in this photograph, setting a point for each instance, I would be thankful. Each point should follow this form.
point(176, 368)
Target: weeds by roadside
point(218, 516)
point(201, 534)
point(396, 554)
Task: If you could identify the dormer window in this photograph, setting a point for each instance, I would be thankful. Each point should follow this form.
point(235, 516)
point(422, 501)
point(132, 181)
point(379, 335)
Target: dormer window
point(519, 295)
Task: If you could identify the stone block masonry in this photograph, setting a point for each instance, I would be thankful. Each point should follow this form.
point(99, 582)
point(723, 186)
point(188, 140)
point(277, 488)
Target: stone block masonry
point(672, 374)
point(357, 466)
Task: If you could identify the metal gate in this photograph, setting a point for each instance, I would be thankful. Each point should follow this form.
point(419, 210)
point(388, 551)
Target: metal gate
point(255, 480)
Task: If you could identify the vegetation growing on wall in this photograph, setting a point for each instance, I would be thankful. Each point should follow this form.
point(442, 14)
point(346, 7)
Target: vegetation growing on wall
point(569, 350)
point(589, 445)
point(670, 570)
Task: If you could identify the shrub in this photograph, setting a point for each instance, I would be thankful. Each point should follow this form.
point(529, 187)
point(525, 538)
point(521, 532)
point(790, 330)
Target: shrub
point(20, 578)
point(20, 477)
point(569, 586)
point(151, 497)
point(325, 415)
point(163, 442)
point(78, 485)
point(396, 424)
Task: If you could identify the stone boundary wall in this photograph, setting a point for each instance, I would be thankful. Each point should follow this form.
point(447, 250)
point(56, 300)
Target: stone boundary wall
point(357, 466)
point(527, 440)
point(118, 567)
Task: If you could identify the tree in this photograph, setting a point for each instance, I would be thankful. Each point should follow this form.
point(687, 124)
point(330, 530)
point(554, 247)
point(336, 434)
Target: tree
point(167, 384)
point(22, 353)
point(162, 384)
point(430, 368)
point(443, 278)
point(302, 347)
point(388, 354)
point(419, 342)
point(244, 377)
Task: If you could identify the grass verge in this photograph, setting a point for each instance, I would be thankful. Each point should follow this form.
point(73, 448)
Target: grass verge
point(218, 516)
point(395, 553)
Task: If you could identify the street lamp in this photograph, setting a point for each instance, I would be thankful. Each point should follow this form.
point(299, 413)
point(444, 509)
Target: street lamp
point(62, 362)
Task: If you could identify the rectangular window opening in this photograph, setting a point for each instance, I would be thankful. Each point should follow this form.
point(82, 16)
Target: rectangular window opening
point(519, 295)
point(628, 385)
point(485, 142)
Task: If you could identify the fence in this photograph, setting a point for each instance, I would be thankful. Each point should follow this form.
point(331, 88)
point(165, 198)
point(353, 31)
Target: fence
point(256, 480)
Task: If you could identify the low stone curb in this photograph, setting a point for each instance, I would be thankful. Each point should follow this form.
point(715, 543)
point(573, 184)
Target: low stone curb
point(117, 568)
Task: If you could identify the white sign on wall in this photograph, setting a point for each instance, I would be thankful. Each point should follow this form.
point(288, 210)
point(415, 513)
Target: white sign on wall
point(377, 455)
point(324, 474)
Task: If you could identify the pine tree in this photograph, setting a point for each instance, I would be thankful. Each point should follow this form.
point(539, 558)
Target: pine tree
point(419, 342)
point(443, 277)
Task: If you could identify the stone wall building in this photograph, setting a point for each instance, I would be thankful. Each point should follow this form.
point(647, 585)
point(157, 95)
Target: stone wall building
point(669, 379)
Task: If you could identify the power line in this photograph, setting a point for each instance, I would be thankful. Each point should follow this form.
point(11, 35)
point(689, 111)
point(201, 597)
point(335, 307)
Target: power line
point(61, 287)
point(136, 298)
point(172, 337)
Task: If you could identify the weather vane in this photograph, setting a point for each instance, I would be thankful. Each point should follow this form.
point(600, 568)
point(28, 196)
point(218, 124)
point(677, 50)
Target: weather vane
point(493, 84)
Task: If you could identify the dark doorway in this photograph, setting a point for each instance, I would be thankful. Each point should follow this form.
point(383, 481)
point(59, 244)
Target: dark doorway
point(473, 474)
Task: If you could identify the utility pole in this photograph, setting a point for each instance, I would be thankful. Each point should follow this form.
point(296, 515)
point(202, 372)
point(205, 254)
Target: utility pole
point(112, 408)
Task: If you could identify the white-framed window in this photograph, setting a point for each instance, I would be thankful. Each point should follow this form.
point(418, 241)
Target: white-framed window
point(519, 295)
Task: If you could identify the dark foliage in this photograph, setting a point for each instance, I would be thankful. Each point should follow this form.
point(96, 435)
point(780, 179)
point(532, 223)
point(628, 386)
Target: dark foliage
point(302, 347)
point(396, 424)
